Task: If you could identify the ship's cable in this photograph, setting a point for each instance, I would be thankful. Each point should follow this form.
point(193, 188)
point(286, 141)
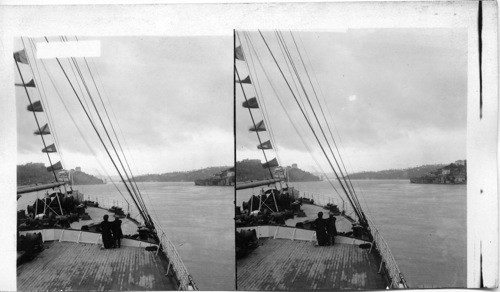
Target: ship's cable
point(311, 127)
point(100, 138)
point(78, 128)
point(346, 175)
point(294, 125)
point(253, 120)
point(351, 191)
point(43, 97)
point(139, 199)
point(260, 97)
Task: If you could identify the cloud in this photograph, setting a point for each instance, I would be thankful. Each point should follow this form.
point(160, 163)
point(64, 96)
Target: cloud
point(171, 97)
point(408, 83)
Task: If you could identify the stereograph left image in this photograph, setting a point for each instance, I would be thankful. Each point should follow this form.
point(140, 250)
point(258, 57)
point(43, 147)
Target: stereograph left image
point(125, 163)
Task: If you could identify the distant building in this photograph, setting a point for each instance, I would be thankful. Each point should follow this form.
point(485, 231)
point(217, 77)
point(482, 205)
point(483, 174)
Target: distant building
point(223, 178)
point(78, 168)
point(445, 171)
point(294, 165)
point(460, 162)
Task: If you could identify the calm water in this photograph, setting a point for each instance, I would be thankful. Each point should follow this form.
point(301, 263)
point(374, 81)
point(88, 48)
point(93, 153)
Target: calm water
point(198, 220)
point(424, 225)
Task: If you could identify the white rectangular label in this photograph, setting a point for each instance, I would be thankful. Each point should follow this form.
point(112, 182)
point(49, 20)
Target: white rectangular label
point(68, 49)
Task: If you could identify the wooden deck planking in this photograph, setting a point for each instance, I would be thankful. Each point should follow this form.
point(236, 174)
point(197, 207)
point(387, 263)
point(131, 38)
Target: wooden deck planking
point(73, 266)
point(281, 264)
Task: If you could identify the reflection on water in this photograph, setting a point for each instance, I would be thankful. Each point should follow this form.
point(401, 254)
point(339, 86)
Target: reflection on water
point(424, 225)
point(198, 220)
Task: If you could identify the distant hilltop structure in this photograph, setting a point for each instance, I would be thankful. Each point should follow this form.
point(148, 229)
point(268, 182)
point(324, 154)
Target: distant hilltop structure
point(454, 173)
point(252, 170)
point(36, 173)
point(223, 178)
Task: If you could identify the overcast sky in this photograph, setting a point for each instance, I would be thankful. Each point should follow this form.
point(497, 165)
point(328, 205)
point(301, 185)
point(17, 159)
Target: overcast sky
point(397, 96)
point(172, 97)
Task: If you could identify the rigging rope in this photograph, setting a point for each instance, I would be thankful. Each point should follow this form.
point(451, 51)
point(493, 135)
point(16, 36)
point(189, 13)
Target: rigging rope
point(138, 197)
point(260, 99)
point(349, 183)
point(349, 187)
point(355, 207)
point(36, 119)
point(78, 128)
point(351, 191)
point(328, 110)
point(158, 222)
point(102, 141)
point(284, 54)
point(116, 137)
point(295, 126)
point(78, 83)
point(253, 121)
point(44, 99)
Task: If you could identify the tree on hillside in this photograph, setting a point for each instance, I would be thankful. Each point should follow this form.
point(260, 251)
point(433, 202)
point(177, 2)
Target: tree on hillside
point(33, 173)
point(251, 169)
point(406, 173)
point(180, 176)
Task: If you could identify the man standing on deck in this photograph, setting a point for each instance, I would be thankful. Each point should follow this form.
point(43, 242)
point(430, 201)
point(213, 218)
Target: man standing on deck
point(331, 228)
point(106, 232)
point(117, 232)
point(321, 234)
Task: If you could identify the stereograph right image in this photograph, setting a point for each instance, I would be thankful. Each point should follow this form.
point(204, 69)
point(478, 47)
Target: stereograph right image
point(351, 167)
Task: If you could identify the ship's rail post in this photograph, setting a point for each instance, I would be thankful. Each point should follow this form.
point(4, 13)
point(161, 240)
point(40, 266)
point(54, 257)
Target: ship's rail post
point(175, 263)
point(395, 275)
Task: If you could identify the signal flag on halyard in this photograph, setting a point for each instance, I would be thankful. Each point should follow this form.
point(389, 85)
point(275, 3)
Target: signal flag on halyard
point(260, 127)
point(49, 149)
point(43, 131)
point(20, 56)
point(35, 107)
point(266, 145)
point(251, 103)
point(246, 80)
point(29, 84)
point(63, 175)
point(56, 166)
point(238, 52)
point(272, 163)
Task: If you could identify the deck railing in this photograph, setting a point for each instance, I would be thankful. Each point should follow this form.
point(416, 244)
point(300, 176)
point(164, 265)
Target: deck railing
point(395, 275)
point(175, 262)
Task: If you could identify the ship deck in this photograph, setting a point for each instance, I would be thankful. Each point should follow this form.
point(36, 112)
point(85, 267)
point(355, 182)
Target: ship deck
point(128, 226)
point(311, 211)
point(283, 264)
point(80, 266)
